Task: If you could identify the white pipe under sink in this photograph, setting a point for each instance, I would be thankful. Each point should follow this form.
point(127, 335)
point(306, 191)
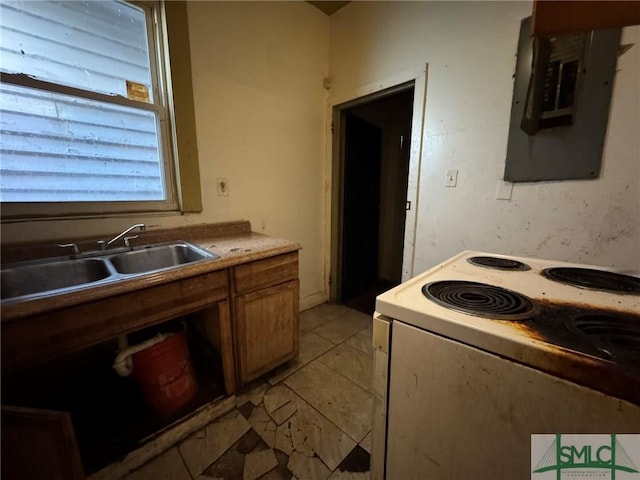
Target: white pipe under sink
point(123, 363)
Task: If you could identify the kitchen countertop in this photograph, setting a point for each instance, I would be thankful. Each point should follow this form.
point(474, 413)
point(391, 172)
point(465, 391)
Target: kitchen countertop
point(234, 242)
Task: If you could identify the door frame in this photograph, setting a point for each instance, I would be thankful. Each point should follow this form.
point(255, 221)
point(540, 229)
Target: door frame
point(336, 105)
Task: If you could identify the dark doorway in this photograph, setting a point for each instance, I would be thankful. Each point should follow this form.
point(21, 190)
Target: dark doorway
point(376, 139)
point(361, 208)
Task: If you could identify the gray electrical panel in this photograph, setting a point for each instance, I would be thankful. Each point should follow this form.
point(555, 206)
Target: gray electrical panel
point(560, 107)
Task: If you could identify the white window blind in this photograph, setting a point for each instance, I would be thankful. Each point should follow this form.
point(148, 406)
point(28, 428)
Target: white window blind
point(79, 120)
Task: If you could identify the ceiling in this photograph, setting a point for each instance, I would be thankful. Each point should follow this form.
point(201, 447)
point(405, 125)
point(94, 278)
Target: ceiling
point(329, 7)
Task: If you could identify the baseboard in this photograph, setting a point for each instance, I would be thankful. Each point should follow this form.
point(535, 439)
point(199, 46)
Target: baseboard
point(312, 300)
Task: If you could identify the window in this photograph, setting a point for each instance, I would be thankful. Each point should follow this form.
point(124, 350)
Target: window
point(86, 117)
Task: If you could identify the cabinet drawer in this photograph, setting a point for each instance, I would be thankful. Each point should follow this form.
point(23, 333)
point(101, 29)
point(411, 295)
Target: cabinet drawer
point(263, 273)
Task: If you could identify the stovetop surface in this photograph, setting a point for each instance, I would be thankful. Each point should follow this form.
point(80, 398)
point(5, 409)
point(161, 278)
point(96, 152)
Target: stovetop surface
point(531, 311)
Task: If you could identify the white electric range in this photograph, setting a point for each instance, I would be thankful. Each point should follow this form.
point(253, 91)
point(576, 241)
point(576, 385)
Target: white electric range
point(478, 353)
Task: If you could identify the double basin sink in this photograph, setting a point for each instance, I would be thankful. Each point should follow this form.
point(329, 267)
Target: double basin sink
point(52, 276)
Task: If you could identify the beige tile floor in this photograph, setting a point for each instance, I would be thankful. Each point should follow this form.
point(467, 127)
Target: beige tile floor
point(309, 419)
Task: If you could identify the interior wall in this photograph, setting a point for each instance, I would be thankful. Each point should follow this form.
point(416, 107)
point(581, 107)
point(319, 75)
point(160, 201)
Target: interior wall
point(259, 104)
point(261, 123)
point(470, 49)
point(260, 113)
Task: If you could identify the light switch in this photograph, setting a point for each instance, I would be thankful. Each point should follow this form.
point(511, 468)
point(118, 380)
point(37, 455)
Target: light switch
point(451, 179)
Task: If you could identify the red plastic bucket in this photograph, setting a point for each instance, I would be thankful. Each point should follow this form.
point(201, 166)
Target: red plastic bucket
point(165, 374)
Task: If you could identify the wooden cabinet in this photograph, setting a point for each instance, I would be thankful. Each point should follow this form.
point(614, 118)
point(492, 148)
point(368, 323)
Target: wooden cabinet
point(32, 342)
point(48, 335)
point(39, 444)
point(266, 303)
point(557, 17)
point(247, 312)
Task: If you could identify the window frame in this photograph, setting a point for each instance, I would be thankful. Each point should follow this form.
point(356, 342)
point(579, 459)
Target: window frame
point(163, 105)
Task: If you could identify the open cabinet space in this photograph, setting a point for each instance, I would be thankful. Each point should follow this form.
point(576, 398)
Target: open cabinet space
point(109, 415)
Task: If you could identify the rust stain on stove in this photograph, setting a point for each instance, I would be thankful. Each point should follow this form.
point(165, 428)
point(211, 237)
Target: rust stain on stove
point(583, 306)
point(582, 356)
point(550, 324)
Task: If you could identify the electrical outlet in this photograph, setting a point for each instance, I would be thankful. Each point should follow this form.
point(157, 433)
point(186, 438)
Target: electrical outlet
point(451, 180)
point(223, 187)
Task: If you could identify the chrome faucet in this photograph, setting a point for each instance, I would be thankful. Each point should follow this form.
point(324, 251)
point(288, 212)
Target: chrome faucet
point(74, 248)
point(103, 244)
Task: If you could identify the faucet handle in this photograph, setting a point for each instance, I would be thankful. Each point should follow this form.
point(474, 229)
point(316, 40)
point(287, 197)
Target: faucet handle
point(73, 246)
point(126, 240)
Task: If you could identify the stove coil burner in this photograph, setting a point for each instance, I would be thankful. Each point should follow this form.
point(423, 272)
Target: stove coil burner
point(499, 263)
point(613, 335)
point(594, 279)
point(480, 299)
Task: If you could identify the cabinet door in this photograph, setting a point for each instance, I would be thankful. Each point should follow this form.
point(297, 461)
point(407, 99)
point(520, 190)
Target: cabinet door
point(557, 17)
point(39, 444)
point(267, 329)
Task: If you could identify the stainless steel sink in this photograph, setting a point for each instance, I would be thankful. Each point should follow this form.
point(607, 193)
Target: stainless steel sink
point(26, 279)
point(152, 258)
point(52, 276)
